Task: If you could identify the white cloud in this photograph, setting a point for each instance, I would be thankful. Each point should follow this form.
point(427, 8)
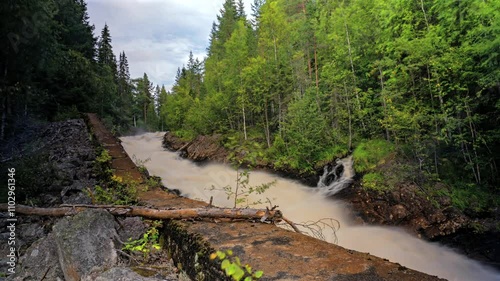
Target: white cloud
point(156, 35)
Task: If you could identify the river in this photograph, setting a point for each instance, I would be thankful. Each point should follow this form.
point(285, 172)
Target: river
point(300, 203)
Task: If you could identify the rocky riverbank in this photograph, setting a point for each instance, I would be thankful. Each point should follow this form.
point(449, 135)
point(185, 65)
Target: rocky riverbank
point(407, 204)
point(55, 164)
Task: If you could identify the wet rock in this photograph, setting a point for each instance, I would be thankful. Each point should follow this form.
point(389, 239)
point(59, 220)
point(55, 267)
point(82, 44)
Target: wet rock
point(399, 212)
point(405, 206)
point(85, 243)
point(200, 149)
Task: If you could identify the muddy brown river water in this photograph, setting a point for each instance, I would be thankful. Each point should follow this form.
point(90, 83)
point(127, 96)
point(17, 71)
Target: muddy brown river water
point(301, 204)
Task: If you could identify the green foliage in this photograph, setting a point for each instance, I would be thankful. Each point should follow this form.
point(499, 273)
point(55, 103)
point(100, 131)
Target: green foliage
point(102, 163)
point(374, 181)
point(233, 267)
point(141, 164)
point(243, 152)
point(306, 132)
point(370, 154)
point(150, 241)
point(472, 198)
point(314, 79)
point(113, 189)
point(185, 135)
point(116, 191)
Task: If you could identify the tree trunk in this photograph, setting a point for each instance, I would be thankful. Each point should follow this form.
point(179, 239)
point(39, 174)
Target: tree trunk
point(384, 103)
point(349, 117)
point(244, 120)
point(268, 133)
point(151, 213)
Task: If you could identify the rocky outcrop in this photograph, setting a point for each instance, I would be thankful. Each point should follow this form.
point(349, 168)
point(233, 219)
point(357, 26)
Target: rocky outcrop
point(405, 205)
point(55, 164)
point(77, 247)
point(80, 248)
point(200, 149)
point(40, 262)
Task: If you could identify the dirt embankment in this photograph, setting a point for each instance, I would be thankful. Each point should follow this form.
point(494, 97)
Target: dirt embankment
point(407, 205)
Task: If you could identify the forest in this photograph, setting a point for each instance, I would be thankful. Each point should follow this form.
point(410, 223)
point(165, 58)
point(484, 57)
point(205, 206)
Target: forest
point(299, 82)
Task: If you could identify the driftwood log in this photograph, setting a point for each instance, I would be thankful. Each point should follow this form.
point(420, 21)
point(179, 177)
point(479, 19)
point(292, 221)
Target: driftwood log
point(151, 213)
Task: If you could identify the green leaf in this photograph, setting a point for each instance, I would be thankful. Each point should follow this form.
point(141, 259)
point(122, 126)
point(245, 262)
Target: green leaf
point(225, 264)
point(248, 268)
point(231, 269)
point(248, 278)
point(221, 255)
point(229, 252)
point(258, 274)
point(238, 273)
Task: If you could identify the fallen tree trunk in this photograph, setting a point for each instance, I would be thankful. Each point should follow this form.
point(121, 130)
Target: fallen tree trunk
point(151, 213)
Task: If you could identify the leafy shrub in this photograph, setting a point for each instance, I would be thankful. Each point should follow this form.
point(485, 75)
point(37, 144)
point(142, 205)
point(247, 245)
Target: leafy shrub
point(370, 154)
point(185, 135)
point(113, 189)
point(148, 242)
point(469, 196)
point(374, 181)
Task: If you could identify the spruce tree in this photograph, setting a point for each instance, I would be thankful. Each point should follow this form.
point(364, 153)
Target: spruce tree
point(105, 55)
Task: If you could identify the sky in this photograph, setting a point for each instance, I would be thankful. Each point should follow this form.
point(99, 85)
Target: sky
point(157, 35)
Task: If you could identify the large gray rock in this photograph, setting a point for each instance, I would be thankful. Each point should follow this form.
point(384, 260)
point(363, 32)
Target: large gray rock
point(122, 274)
point(40, 262)
point(85, 243)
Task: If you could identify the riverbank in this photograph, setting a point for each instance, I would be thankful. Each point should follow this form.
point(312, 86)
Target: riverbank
point(427, 212)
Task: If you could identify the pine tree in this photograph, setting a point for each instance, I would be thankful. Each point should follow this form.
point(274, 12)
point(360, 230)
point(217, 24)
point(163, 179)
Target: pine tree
point(105, 55)
point(240, 10)
point(256, 6)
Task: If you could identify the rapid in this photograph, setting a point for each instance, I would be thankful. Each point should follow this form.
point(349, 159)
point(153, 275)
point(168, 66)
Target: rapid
point(300, 203)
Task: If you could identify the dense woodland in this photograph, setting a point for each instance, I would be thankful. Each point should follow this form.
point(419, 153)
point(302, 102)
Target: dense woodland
point(301, 82)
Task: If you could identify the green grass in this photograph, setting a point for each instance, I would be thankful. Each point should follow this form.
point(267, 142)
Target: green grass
point(375, 181)
point(368, 155)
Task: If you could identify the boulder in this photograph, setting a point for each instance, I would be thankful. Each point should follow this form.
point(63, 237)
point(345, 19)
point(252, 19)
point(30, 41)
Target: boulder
point(85, 243)
point(40, 262)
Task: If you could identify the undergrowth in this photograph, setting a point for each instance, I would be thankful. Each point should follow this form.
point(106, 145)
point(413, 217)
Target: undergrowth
point(113, 189)
point(149, 241)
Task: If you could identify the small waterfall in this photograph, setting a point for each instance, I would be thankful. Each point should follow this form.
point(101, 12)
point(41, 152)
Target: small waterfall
point(338, 178)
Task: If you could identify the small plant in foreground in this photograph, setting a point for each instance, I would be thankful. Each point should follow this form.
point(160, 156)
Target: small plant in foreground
point(243, 190)
point(233, 268)
point(149, 240)
point(116, 191)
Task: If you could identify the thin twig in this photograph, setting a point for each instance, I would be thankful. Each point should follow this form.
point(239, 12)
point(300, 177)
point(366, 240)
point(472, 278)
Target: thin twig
point(45, 274)
point(292, 224)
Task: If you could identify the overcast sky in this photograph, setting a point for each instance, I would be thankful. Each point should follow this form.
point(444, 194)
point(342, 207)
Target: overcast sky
point(157, 35)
